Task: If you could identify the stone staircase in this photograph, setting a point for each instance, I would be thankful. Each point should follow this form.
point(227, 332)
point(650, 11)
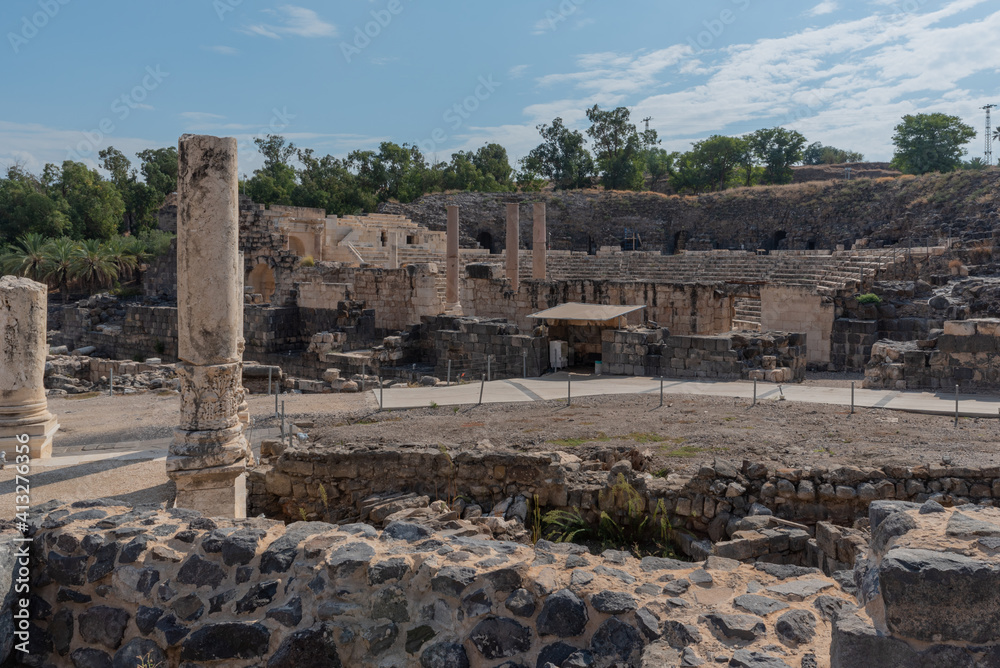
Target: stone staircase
point(746, 316)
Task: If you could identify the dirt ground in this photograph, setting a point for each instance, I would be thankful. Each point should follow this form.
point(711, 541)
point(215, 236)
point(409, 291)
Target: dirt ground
point(686, 431)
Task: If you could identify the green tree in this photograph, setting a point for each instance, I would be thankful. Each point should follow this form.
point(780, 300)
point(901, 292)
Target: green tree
point(93, 204)
point(491, 160)
point(274, 182)
point(141, 201)
point(26, 208)
point(617, 147)
point(94, 265)
point(561, 157)
point(159, 169)
point(817, 154)
point(60, 268)
point(327, 183)
point(709, 165)
point(930, 143)
point(659, 164)
point(777, 149)
point(27, 258)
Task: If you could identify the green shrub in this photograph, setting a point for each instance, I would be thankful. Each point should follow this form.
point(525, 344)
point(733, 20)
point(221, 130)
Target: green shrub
point(869, 298)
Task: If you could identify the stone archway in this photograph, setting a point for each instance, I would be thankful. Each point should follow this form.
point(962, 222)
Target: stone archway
point(261, 278)
point(296, 246)
point(485, 240)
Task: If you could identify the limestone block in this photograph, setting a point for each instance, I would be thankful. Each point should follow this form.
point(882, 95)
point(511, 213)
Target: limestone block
point(960, 328)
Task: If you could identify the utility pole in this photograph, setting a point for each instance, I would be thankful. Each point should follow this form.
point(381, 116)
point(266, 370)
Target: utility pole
point(989, 137)
point(646, 121)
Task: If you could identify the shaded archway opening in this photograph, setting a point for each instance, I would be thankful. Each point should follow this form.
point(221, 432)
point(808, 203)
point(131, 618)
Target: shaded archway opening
point(296, 246)
point(485, 241)
point(261, 279)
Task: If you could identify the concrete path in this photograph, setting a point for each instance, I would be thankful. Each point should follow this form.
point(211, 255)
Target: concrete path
point(556, 386)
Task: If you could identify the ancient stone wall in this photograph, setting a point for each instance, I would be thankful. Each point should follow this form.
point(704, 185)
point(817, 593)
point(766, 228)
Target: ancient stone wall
point(160, 278)
point(789, 308)
point(654, 352)
point(116, 586)
point(682, 308)
point(966, 354)
point(476, 347)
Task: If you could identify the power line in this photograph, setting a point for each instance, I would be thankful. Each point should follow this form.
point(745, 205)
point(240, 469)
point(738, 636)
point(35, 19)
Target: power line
point(989, 138)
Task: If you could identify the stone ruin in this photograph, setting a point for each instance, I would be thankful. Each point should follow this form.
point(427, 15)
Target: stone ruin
point(346, 565)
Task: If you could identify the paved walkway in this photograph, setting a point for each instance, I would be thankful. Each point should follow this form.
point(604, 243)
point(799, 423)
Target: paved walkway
point(130, 450)
point(556, 386)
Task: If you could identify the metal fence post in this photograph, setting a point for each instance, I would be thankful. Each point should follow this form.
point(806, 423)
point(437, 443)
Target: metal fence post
point(852, 397)
point(569, 389)
point(449, 373)
point(956, 405)
point(269, 380)
point(661, 391)
point(111, 383)
point(524, 363)
point(482, 386)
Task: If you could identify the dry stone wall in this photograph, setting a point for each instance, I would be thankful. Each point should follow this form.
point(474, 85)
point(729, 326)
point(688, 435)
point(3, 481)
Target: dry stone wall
point(654, 352)
point(965, 353)
point(175, 588)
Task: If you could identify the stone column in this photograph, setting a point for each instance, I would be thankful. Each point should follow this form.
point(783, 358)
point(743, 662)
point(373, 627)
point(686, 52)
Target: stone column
point(451, 274)
point(513, 238)
point(23, 406)
point(207, 459)
point(539, 240)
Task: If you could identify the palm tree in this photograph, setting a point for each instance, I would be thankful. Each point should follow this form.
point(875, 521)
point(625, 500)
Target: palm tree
point(120, 253)
point(61, 267)
point(94, 264)
point(27, 259)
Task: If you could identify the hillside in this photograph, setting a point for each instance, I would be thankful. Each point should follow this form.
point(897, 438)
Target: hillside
point(799, 216)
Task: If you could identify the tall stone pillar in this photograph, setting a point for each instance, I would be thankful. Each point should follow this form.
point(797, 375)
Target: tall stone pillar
point(513, 244)
point(539, 242)
point(451, 269)
point(24, 410)
point(208, 457)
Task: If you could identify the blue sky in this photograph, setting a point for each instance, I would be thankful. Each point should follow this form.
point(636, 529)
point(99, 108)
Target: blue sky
point(449, 75)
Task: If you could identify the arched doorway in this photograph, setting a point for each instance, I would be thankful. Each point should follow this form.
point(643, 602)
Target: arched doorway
point(779, 236)
point(485, 240)
point(296, 246)
point(261, 278)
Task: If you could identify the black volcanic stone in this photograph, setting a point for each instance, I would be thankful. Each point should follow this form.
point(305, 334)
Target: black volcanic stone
point(229, 640)
point(258, 596)
point(103, 625)
point(201, 572)
point(563, 615)
point(499, 638)
point(289, 614)
point(311, 648)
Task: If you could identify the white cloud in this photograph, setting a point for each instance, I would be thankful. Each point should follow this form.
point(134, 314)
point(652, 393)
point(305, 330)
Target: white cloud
point(292, 21)
point(825, 7)
point(846, 83)
point(517, 71)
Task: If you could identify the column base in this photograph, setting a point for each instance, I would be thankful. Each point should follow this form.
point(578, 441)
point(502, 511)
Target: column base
point(39, 439)
point(220, 492)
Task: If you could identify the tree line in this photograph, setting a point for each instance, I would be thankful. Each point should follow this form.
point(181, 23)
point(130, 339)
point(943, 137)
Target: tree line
point(77, 202)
